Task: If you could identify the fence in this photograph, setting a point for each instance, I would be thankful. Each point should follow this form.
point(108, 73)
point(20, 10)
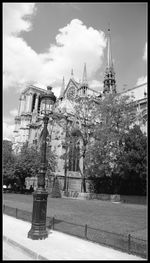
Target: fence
point(125, 243)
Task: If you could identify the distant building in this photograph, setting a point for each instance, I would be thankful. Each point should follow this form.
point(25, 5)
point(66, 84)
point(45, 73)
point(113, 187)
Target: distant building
point(139, 94)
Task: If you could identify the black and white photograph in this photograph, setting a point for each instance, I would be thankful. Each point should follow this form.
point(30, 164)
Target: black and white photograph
point(75, 132)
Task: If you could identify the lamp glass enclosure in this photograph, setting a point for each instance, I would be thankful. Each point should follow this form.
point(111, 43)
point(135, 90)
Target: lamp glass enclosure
point(46, 105)
point(47, 101)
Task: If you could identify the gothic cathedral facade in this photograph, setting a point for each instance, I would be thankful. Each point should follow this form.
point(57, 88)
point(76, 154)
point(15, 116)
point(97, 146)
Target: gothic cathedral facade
point(29, 124)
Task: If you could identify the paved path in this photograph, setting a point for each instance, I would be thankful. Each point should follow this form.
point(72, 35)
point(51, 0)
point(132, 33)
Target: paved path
point(59, 246)
point(11, 252)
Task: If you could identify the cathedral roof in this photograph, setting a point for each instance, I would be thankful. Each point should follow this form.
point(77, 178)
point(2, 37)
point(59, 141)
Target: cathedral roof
point(33, 88)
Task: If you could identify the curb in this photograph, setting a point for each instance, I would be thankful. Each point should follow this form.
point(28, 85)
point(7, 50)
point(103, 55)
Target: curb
point(28, 251)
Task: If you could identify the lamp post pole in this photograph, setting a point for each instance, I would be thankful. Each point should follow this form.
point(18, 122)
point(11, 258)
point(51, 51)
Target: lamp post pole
point(38, 228)
point(66, 149)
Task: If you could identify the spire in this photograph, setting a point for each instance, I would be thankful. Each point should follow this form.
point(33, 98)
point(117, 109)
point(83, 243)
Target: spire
point(72, 74)
point(109, 79)
point(109, 51)
point(62, 89)
point(84, 79)
point(84, 83)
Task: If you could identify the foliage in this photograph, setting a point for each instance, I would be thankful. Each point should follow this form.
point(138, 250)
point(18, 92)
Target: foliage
point(27, 164)
point(114, 117)
point(7, 152)
point(83, 126)
point(129, 174)
point(8, 161)
point(56, 189)
point(78, 128)
point(108, 155)
point(132, 163)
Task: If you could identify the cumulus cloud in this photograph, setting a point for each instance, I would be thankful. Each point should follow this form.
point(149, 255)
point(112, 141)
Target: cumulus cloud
point(145, 53)
point(8, 130)
point(74, 44)
point(143, 79)
point(14, 17)
point(13, 112)
point(20, 62)
point(18, 57)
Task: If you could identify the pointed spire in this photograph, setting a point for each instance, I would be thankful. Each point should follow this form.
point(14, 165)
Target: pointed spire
point(109, 51)
point(62, 89)
point(109, 79)
point(84, 79)
point(72, 73)
point(84, 83)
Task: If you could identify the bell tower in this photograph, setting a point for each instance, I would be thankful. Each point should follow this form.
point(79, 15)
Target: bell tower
point(109, 78)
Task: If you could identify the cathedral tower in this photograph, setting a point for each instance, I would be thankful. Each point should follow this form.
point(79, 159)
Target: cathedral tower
point(109, 78)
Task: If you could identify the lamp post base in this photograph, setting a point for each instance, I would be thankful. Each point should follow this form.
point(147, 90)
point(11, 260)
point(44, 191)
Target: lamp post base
point(38, 228)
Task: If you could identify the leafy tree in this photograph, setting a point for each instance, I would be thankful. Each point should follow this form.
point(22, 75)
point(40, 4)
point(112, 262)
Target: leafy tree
point(8, 160)
point(78, 129)
point(26, 164)
point(7, 151)
point(31, 158)
point(115, 115)
point(83, 128)
point(131, 164)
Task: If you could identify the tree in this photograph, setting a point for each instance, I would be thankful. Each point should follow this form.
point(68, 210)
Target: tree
point(7, 151)
point(115, 115)
point(78, 128)
point(27, 164)
point(131, 165)
point(83, 128)
point(8, 163)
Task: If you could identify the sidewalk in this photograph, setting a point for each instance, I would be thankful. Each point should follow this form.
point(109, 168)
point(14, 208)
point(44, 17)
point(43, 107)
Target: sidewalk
point(58, 246)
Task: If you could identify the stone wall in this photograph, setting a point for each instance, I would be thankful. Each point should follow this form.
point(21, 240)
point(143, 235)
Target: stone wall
point(133, 199)
point(72, 183)
point(108, 197)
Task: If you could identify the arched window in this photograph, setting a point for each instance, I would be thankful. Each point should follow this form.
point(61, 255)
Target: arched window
point(33, 101)
point(39, 104)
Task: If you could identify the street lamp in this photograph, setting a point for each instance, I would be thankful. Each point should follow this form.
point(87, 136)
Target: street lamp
point(66, 149)
point(38, 228)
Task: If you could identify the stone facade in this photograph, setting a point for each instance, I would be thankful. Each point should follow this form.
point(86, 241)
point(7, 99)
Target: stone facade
point(139, 94)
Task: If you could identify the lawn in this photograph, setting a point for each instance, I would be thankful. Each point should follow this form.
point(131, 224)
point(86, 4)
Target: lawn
point(113, 217)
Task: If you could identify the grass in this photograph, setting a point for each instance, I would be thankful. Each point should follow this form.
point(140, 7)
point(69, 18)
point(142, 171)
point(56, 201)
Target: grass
point(118, 218)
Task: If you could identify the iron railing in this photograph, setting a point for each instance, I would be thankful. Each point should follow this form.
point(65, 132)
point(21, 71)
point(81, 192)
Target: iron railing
point(126, 243)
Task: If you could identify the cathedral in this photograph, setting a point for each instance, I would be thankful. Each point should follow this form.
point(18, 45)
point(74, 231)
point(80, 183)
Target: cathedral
point(29, 123)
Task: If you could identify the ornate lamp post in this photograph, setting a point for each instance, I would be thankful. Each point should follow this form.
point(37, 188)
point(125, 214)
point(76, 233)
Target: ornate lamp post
point(38, 228)
point(66, 149)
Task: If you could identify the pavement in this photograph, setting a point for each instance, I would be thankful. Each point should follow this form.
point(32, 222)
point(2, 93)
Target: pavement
point(11, 252)
point(58, 246)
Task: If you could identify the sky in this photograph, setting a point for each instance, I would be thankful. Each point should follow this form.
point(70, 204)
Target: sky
point(42, 42)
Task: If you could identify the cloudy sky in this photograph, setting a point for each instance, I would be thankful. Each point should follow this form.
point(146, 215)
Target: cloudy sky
point(42, 42)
